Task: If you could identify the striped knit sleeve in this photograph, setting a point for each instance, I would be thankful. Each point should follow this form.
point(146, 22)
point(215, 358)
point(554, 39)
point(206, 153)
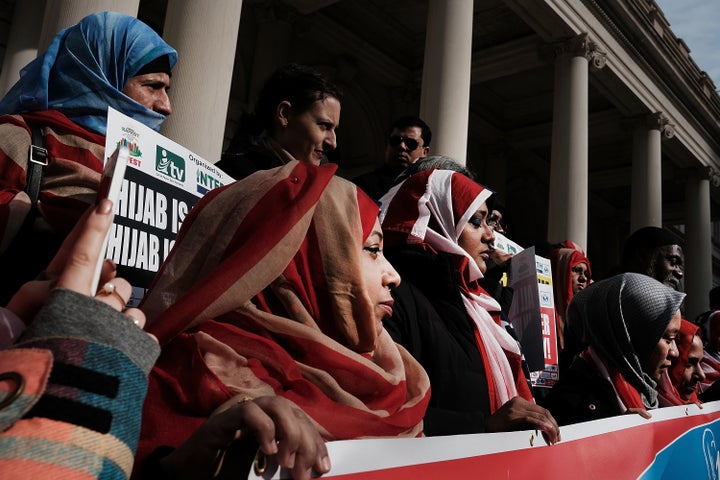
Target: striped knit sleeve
point(71, 392)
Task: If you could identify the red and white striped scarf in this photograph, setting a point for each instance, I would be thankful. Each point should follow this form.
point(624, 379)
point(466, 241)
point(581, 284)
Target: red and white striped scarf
point(432, 208)
point(70, 181)
point(263, 295)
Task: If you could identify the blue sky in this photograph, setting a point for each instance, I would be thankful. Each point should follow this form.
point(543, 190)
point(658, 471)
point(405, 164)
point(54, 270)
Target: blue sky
point(697, 22)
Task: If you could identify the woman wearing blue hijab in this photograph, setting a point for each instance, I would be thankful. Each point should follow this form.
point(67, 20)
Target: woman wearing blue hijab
point(107, 59)
point(86, 68)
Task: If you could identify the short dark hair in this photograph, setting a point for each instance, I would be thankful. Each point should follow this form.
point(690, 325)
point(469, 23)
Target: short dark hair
point(413, 121)
point(300, 85)
point(715, 298)
point(439, 162)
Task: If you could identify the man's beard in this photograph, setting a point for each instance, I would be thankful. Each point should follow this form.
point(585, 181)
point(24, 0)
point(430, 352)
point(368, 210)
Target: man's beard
point(657, 271)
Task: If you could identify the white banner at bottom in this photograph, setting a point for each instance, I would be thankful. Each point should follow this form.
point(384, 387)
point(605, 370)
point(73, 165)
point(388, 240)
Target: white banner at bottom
point(677, 442)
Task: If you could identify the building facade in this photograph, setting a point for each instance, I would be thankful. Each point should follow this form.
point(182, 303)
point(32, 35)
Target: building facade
point(588, 117)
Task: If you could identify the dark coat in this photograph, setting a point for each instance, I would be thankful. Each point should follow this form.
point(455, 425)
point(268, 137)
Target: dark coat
point(244, 163)
point(581, 395)
point(443, 344)
point(379, 181)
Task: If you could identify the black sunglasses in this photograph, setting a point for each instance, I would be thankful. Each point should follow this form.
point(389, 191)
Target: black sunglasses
point(410, 143)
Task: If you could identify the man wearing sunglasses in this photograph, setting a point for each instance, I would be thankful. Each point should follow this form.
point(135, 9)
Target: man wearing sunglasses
point(409, 140)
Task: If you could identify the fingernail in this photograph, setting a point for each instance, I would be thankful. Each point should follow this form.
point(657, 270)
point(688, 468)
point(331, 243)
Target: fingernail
point(325, 463)
point(104, 207)
point(112, 264)
point(291, 461)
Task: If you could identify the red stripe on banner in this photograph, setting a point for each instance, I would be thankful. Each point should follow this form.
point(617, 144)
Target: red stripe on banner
point(619, 454)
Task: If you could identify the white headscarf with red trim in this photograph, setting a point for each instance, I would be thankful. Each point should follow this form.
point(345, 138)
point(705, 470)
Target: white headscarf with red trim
point(451, 199)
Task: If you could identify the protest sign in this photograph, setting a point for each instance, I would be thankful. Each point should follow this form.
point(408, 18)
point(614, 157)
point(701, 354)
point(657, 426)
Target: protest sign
point(162, 182)
point(532, 313)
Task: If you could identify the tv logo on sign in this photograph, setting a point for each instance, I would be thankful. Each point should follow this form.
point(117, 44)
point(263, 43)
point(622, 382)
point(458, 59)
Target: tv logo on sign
point(170, 164)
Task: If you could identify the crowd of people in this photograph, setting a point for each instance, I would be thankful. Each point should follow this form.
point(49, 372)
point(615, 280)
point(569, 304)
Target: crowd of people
point(352, 314)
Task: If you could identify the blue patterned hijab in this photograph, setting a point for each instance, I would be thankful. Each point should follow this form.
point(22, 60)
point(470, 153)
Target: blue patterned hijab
point(85, 69)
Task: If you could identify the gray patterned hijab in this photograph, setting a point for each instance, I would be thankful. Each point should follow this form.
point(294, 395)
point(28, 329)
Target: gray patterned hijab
point(624, 317)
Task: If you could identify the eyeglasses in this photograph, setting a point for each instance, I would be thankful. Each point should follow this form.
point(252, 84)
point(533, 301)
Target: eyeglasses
point(410, 143)
point(496, 224)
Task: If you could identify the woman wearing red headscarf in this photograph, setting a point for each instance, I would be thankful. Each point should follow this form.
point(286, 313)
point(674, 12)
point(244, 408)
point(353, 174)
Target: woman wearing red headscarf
point(571, 273)
point(277, 287)
point(709, 323)
point(436, 234)
point(679, 384)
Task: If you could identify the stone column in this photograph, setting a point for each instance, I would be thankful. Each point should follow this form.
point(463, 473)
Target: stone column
point(205, 38)
point(22, 45)
point(445, 98)
point(698, 240)
point(60, 14)
point(646, 197)
point(568, 202)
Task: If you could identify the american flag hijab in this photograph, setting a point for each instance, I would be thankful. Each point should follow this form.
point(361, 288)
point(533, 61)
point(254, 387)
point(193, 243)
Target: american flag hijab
point(263, 295)
point(430, 209)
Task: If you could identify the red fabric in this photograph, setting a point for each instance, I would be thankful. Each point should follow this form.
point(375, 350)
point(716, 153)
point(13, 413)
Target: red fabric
point(711, 359)
point(562, 261)
point(275, 304)
point(629, 396)
point(667, 389)
point(70, 179)
point(430, 209)
point(711, 368)
point(627, 393)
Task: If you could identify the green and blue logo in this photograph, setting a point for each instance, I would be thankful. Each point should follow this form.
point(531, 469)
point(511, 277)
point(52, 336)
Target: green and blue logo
point(170, 164)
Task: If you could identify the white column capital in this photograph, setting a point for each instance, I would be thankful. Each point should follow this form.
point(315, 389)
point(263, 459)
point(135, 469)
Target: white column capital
point(658, 121)
point(704, 173)
point(580, 46)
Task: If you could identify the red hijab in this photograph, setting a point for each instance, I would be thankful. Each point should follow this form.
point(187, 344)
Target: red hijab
point(667, 387)
point(563, 260)
point(262, 295)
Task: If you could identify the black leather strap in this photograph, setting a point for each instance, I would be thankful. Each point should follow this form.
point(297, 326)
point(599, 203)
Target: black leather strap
point(30, 250)
point(37, 161)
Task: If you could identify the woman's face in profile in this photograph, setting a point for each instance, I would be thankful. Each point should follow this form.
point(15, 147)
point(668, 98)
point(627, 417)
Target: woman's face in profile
point(693, 373)
point(378, 275)
point(477, 236)
point(665, 350)
point(310, 134)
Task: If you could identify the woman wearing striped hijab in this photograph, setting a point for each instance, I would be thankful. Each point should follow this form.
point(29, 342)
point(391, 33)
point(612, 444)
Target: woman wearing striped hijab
point(106, 60)
point(276, 288)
